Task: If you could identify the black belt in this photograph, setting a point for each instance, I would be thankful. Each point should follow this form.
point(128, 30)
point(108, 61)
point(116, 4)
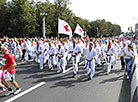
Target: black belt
point(88, 62)
point(108, 58)
point(59, 58)
point(73, 55)
point(39, 53)
point(51, 55)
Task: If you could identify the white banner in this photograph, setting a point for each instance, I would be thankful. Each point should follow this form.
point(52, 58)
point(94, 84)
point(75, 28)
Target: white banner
point(79, 30)
point(64, 28)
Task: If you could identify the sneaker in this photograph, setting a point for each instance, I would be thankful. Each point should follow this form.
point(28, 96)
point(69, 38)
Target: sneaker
point(89, 78)
point(2, 90)
point(17, 91)
point(125, 73)
point(107, 73)
point(41, 68)
point(59, 71)
point(127, 77)
point(63, 71)
point(52, 69)
point(111, 66)
point(122, 68)
point(74, 75)
point(9, 93)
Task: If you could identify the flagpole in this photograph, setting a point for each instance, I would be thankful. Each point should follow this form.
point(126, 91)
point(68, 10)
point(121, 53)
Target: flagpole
point(58, 36)
point(58, 29)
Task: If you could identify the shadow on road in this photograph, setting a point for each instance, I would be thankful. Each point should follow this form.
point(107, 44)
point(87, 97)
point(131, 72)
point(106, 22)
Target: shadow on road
point(112, 79)
point(125, 91)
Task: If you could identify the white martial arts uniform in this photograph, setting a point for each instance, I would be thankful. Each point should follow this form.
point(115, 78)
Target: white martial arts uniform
point(45, 51)
point(39, 55)
point(109, 57)
point(98, 51)
point(61, 59)
point(90, 62)
point(69, 54)
point(19, 51)
point(13, 49)
point(75, 58)
point(28, 50)
point(51, 54)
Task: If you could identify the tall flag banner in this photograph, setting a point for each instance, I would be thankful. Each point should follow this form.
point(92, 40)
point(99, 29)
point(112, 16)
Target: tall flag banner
point(64, 28)
point(79, 30)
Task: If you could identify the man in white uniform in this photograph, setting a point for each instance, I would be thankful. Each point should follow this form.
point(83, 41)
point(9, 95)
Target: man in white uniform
point(75, 50)
point(28, 50)
point(90, 56)
point(60, 58)
point(13, 48)
point(45, 50)
point(39, 54)
point(66, 48)
point(51, 54)
point(109, 57)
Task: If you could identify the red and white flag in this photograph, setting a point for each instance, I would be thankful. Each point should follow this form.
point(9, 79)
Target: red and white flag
point(79, 30)
point(64, 28)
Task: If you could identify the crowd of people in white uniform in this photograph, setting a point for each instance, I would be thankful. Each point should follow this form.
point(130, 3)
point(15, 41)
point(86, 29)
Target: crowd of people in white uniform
point(57, 52)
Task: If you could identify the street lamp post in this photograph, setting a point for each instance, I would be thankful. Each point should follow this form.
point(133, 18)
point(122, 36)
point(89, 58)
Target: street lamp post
point(43, 20)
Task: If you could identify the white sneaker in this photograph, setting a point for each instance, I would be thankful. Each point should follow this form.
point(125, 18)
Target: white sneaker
point(9, 93)
point(63, 71)
point(59, 71)
point(41, 68)
point(17, 91)
point(126, 73)
point(127, 77)
point(2, 89)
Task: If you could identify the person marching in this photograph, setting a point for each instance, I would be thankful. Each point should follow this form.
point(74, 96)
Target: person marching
point(45, 50)
point(109, 50)
point(39, 54)
point(75, 50)
point(69, 43)
point(98, 50)
point(90, 57)
point(24, 45)
point(13, 48)
point(60, 58)
point(66, 48)
point(102, 46)
point(51, 54)
point(19, 50)
point(28, 50)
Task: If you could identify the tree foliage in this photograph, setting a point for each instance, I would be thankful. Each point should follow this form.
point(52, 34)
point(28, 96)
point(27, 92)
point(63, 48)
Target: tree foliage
point(21, 18)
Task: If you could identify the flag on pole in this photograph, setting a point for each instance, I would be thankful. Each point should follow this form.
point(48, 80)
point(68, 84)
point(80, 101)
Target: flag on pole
point(64, 28)
point(79, 30)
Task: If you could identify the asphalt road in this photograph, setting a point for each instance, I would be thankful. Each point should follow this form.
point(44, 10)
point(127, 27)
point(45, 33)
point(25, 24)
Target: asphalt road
point(53, 87)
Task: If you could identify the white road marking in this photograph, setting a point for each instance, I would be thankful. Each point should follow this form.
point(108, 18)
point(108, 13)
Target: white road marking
point(72, 67)
point(25, 92)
